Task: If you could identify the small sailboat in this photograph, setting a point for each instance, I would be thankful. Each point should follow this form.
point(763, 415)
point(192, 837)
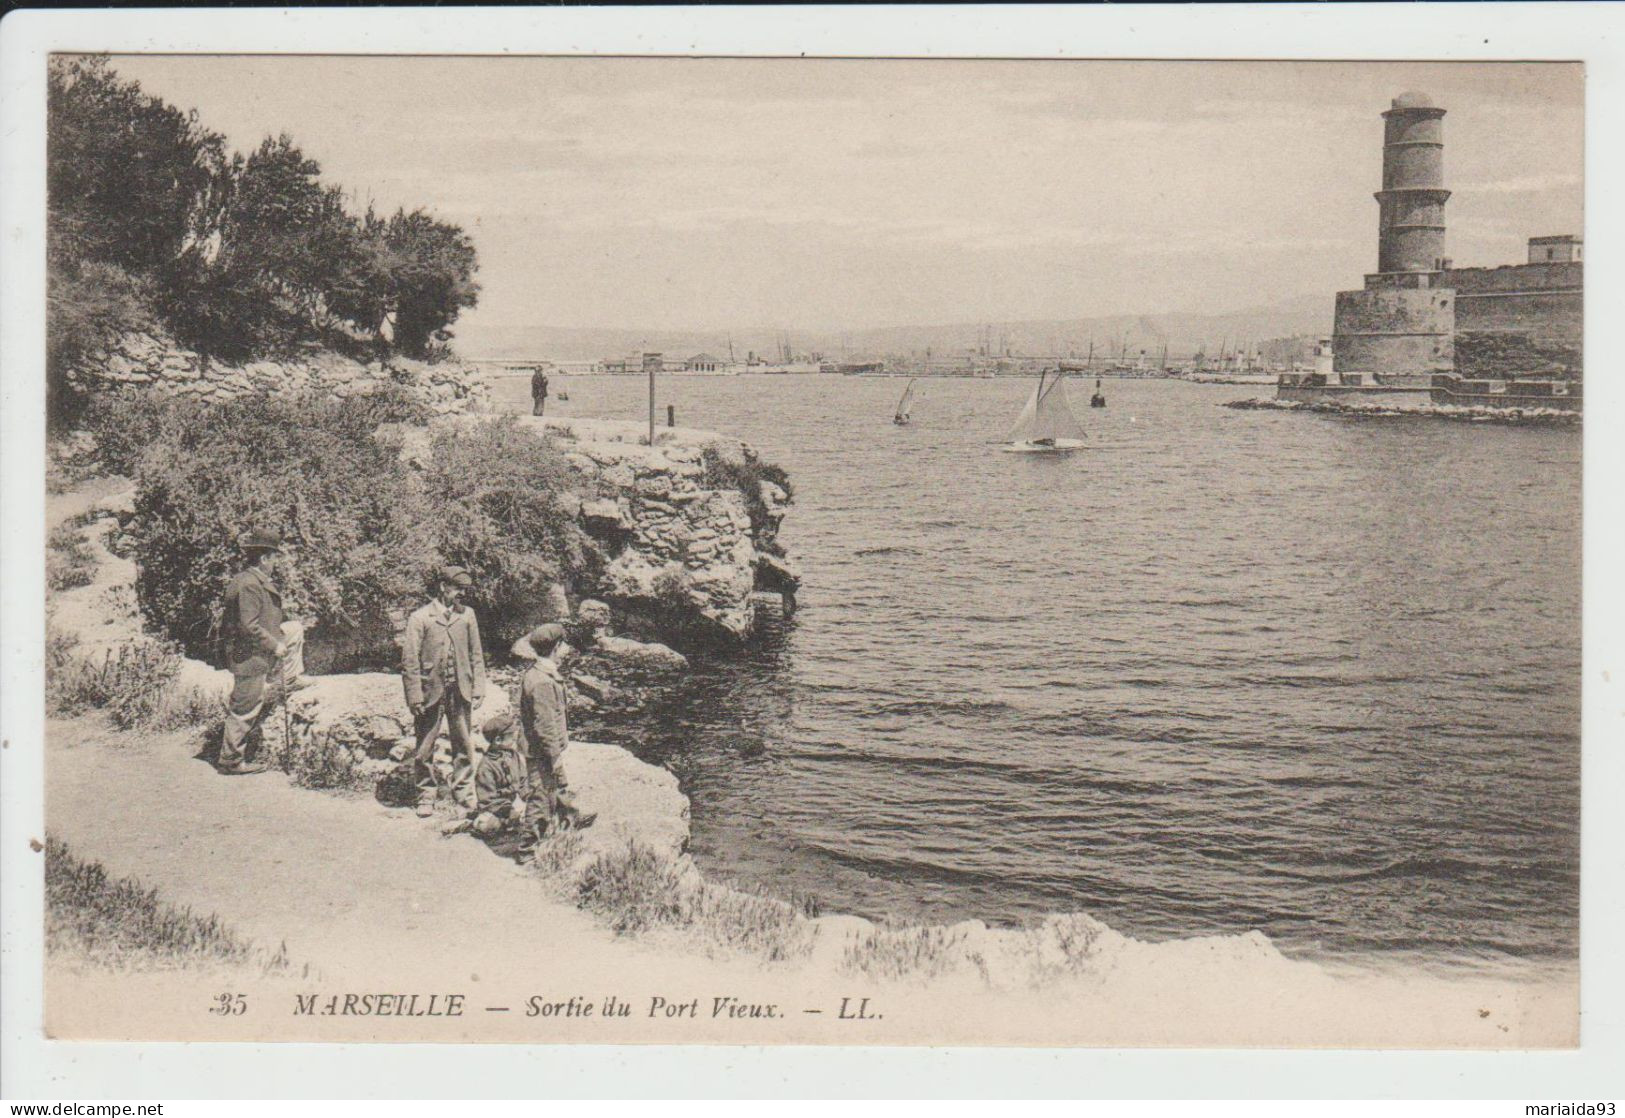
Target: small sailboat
point(1046, 424)
point(904, 406)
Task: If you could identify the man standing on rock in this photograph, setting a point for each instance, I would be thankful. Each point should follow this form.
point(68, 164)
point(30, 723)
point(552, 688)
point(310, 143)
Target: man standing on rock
point(538, 392)
point(252, 628)
point(443, 668)
point(542, 722)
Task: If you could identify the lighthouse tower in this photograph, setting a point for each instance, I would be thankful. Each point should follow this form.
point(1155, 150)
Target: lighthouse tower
point(1400, 328)
point(1412, 198)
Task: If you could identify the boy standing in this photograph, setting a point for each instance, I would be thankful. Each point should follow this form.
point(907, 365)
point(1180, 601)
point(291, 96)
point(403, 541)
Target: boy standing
point(542, 722)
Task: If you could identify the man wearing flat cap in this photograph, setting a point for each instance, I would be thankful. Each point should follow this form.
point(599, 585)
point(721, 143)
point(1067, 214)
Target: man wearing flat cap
point(443, 669)
point(542, 724)
point(252, 627)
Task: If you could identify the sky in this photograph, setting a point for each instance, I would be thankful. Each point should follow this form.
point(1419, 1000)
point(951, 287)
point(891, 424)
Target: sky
point(715, 194)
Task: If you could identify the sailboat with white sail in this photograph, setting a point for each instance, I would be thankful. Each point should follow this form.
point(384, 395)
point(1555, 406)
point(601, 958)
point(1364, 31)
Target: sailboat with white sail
point(905, 406)
point(1046, 423)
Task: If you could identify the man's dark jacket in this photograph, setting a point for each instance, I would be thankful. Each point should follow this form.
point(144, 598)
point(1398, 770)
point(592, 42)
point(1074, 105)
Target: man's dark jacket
point(252, 624)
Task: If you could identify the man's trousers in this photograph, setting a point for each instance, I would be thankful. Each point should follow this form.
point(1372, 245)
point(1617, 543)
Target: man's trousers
point(454, 712)
point(256, 684)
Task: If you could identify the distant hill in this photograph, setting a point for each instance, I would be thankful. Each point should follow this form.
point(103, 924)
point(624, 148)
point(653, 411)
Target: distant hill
point(1182, 333)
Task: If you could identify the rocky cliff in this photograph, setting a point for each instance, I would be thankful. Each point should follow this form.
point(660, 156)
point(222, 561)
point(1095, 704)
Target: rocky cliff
point(688, 529)
point(151, 360)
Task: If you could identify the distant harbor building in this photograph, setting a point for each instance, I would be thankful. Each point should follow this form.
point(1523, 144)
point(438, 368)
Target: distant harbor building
point(1422, 327)
point(702, 363)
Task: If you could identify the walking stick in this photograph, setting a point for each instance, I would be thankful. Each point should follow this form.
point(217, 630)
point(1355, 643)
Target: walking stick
point(287, 726)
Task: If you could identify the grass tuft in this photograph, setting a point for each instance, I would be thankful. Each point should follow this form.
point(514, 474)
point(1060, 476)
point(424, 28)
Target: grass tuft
point(132, 683)
point(638, 890)
point(558, 853)
point(69, 562)
point(894, 951)
point(633, 890)
point(312, 760)
point(119, 925)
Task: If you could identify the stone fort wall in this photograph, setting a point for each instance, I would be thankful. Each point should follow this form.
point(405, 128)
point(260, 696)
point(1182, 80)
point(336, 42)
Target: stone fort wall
point(1520, 319)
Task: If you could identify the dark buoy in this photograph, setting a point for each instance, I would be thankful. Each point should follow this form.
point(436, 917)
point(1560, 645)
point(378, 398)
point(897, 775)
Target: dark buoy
point(1098, 400)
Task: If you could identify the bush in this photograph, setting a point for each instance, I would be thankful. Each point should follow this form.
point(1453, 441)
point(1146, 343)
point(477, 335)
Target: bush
point(394, 403)
point(127, 422)
point(891, 952)
point(637, 890)
point(362, 530)
point(69, 561)
point(492, 500)
point(308, 467)
point(314, 760)
point(634, 890)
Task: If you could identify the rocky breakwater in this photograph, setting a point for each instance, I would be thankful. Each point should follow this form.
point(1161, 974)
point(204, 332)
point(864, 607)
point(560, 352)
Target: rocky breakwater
point(1358, 409)
point(154, 360)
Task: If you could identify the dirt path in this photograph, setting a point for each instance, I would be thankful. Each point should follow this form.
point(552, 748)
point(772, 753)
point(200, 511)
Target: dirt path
point(83, 497)
point(372, 898)
point(352, 887)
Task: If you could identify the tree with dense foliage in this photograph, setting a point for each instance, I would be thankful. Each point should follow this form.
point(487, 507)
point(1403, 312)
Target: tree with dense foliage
point(432, 278)
point(283, 243)
point(130, 179)
point(309, 467)
point(149, 215)
point(132, 186)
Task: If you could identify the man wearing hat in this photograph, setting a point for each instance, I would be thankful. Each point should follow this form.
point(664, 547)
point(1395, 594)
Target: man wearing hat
point(252, 625)
point(443, 668)
point(542, 722)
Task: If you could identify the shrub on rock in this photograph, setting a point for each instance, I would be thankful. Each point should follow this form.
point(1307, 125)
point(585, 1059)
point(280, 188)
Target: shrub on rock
point(756, 481)
point(307, 467)
point(495, 498)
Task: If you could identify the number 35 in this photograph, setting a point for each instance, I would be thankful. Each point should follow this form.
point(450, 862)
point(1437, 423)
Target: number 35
point(229, 1005)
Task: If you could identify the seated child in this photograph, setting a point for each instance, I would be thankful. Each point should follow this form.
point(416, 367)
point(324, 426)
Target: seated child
point(507, 817)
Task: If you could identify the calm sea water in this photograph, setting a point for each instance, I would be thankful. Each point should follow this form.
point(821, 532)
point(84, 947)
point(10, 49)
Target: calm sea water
point(1224, 670)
